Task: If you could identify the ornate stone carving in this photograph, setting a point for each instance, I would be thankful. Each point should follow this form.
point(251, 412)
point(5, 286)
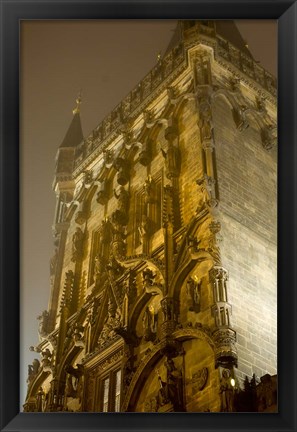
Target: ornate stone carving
point(194, 294)
point(68, 289)
point(39, 400)
point(148, 116)
point(240, 118)
point(172, 157)
point(206, 193)
point(199, 380)
point(148, 191)
point(203, 72)
point(205, 119)
point(172, 92)
point(170, 316)
point(149, 284)
point(225, 347)
point(108, 158)
point(99, 268)
point(122, 166)
point(46, 360)
point(74, 387)
point(227, 391)
point(145, 155)
point(144, 232)
point(121, 215)
point(260, 104)
point(53, 265)
point(214, 239)
point(87, 177)
point(43, 324)
point(269, 137)
point(77, 244)
point(150, 324)
point(171, 389)
point(33, 370)
point(78, 335)
point(118, 237)
point(218, 276)
point(102, 194)
point(234, 83)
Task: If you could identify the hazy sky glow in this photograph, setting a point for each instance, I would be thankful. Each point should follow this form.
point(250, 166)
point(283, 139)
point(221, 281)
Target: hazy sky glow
point(106, 59)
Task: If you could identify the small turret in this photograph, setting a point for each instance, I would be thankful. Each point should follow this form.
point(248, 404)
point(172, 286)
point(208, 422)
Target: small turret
point(63, 183)
point(66, 152)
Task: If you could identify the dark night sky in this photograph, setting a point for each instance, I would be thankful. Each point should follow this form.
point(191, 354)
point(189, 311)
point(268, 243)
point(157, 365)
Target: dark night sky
point(106, 59)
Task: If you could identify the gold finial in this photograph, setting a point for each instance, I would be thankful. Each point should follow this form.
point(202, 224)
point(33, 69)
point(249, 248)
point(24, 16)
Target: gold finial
point(76, 110)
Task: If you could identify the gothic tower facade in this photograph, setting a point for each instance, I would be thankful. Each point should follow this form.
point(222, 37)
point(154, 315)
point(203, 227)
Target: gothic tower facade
point(163, 278)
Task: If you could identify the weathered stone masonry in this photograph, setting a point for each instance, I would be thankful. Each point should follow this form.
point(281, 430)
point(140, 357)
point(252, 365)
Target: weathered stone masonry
point(163, 280)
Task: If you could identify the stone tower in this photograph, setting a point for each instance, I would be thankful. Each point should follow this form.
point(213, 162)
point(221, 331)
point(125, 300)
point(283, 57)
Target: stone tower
point(163, 281)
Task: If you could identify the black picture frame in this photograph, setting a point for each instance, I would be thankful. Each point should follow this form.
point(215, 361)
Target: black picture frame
point(285, 11)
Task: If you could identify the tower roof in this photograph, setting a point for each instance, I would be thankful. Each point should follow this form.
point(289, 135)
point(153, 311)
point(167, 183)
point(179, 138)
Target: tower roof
point(227, 29)
point(74, 135)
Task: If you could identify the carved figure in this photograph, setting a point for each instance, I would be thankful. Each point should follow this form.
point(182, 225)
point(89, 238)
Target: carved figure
point(205, 129)
point(171, 390)
point(123, 199)
point(149, 324)
point(203, 196)
point(227, 392)
point(193, 293)
point(53, 264)
point(172, 161)
point(98, 268)
point(122, 166)
point(143, 229)
point(43, 323)
point(39, 400)
point(74, 380)
point(77, 243)
point(148, 190)
point(108, 157)
point(174, 381)
point(46, 358)
point(78, 334)
point(33, 370)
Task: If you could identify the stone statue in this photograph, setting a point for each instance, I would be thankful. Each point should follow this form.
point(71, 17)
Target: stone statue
point(143, 229)
point(53, 265)
point(193, 293)
point(149, 324)
point(39, 400)
point(77, 243)
point(123, 200)
point(227, 392)
point(46, 358)
point(171, 389)
point(43, 322)
point(148, 190)
point(33, 370)
point(98, 268)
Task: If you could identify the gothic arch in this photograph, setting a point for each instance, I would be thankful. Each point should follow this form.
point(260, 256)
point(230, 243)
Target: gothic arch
point(37, 382)
point(68, 358)
point(151, 359)
point(189, 259)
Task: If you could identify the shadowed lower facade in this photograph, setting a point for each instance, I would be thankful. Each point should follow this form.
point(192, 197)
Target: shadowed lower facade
point(163, 277)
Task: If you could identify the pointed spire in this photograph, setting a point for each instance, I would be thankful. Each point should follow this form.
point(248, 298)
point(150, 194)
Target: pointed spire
point(74, 135)
point(224, 28)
